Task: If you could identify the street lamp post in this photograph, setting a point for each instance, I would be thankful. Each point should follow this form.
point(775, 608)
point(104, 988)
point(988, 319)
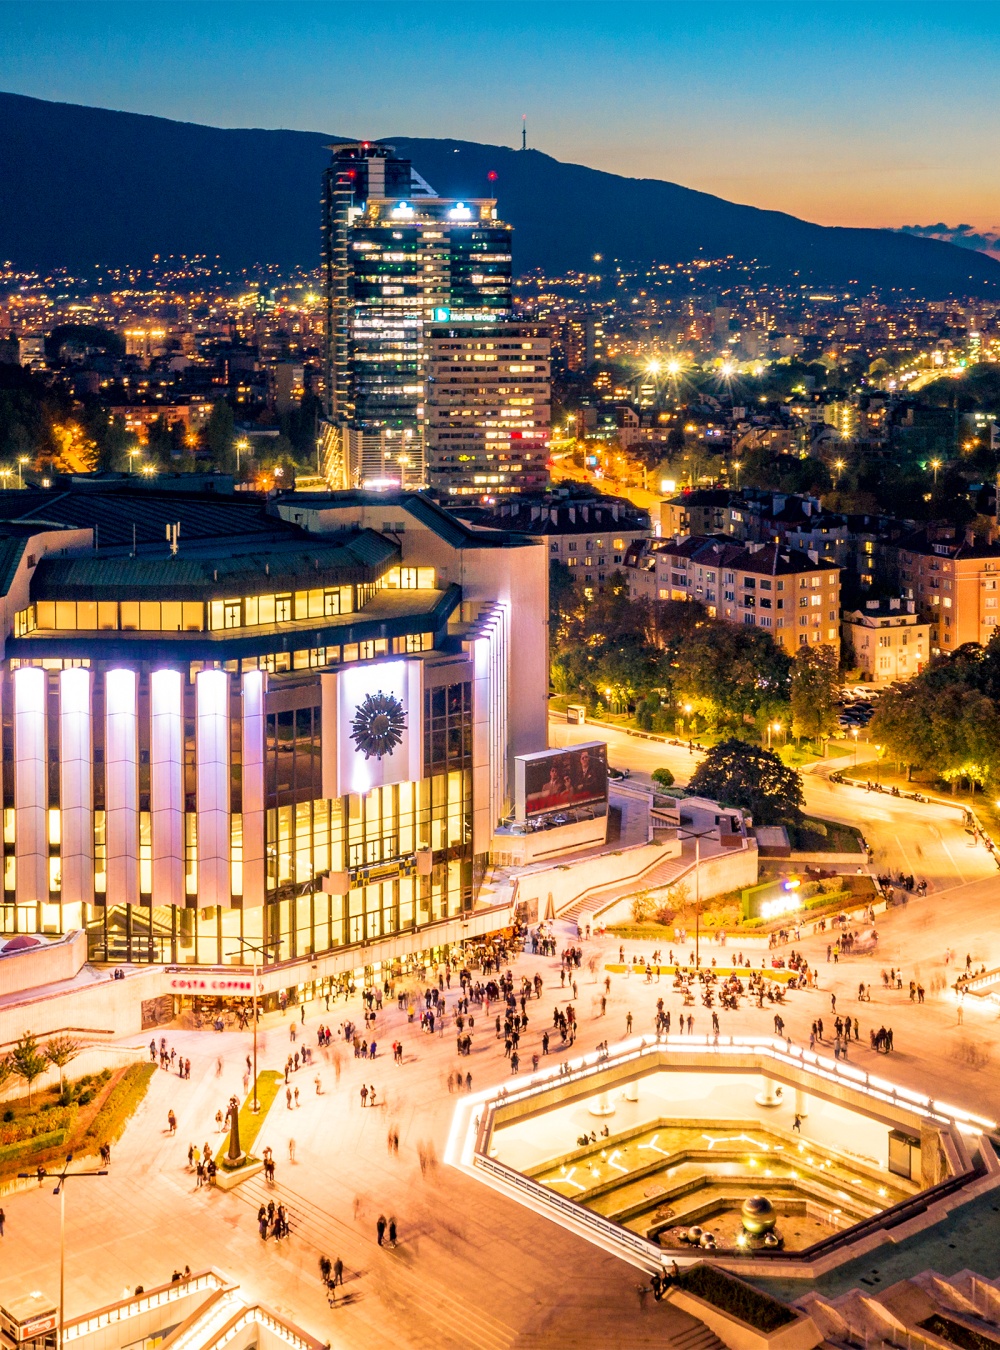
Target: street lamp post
point(21, 461)
point(697, 836)
point(777, 728)
point(737, 465)
point(854, 733)
point(60, 1190)
point(260, 950)
point(935, 465)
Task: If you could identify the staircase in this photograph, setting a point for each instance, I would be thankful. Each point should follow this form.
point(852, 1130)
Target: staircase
point(894, 1314)
point(695, 1337)
point(595, 902)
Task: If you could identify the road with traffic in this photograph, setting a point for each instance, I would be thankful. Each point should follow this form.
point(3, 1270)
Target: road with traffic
point(927, 839)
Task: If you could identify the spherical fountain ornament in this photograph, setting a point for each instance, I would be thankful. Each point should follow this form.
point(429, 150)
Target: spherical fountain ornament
point(758, 1215)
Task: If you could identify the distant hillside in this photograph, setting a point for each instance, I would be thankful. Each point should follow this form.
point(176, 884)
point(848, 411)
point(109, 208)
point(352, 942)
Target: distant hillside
point(82, 185)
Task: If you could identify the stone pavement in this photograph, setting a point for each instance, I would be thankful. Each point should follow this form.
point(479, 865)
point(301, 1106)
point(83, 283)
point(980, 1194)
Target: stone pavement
point(472, 1268)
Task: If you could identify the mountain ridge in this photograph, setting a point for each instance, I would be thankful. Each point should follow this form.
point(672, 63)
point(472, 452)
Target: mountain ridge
point(142, 185)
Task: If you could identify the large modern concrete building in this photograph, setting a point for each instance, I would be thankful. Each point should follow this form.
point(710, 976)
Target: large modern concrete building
point(296, 729)
point(397, 257)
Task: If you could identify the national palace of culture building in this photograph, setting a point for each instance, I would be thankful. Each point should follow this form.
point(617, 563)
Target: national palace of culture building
point(293, 729)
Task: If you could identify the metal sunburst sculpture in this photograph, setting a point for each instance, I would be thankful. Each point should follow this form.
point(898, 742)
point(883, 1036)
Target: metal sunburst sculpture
point(378, 725)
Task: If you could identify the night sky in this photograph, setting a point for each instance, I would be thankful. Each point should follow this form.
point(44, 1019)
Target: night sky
point(850, 114)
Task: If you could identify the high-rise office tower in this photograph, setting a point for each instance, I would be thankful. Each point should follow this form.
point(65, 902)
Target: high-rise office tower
point(488, 409)
point(397, 258)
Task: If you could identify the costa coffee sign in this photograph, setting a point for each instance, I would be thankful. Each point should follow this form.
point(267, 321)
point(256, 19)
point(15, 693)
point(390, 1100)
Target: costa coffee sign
point(211, 984)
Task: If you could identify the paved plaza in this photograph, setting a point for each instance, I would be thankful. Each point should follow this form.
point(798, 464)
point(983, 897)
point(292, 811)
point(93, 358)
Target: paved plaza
point(471, 1268)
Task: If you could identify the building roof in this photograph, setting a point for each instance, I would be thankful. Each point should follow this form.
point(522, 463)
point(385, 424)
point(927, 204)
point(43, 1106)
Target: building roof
point(717, 551)
point(547, 516)
point(219, 568)
point(446, 524)
point(929, 543)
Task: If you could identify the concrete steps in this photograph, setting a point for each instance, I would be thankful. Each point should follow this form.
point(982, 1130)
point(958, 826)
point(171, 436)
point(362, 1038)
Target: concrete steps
point(661, 874)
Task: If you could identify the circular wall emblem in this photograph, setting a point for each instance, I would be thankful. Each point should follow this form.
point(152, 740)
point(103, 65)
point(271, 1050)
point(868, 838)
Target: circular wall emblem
point(378, 725)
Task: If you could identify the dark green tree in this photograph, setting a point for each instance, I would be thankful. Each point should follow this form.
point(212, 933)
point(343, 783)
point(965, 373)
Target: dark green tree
point(736, 773)
point(813, 691)
point(219, 436)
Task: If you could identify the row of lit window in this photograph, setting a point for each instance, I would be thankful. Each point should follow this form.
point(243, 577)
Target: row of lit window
point(187, 616)
point(309, 658)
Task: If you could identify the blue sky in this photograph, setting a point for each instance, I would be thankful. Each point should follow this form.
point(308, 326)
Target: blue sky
point(845, 113)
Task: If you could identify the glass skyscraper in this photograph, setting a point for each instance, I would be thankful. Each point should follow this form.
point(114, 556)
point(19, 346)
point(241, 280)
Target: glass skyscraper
point(397, 258)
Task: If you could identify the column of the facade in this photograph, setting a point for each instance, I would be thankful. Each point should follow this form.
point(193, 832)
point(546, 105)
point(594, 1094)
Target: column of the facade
point(121, 792)
point(76, 787)
point(31, 797)
point(213, 787)
point(254, 855)
point(166, 785)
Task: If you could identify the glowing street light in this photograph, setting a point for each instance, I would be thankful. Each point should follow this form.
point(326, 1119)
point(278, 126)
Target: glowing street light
point(131, 456)
point(5, 474)
point(775, 727)
point(737, 465)
point(242, 445)
point(935, 464)
point(21, 462)
point(840, 466)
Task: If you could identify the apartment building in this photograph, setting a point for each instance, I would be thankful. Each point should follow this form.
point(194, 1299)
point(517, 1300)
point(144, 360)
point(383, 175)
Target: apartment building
point(795, 597)
point(952, 580)
point(590, 535)
point(888, 639)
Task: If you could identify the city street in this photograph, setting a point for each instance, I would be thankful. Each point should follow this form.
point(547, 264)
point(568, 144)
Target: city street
point(472, 1268)
point(922, 838)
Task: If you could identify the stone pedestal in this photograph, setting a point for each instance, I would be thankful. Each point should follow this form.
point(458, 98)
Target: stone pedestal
point(631, 1093)
point(227, 1180)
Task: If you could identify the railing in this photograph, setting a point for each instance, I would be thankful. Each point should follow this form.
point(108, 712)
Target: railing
point(782, 1053)
point(650, 1253)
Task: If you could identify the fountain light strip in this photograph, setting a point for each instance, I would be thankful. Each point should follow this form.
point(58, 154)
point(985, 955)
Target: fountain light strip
point(877, 1088)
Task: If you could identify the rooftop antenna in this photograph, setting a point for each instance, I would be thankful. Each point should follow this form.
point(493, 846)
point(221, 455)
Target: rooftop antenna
point(173, 531)
point(524, 131)
point(133, 541)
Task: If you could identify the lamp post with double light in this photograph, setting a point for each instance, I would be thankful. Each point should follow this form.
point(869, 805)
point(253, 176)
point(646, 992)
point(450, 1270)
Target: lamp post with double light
point(61, 1179)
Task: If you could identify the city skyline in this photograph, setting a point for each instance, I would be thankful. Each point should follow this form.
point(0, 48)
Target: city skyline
point(842, 116)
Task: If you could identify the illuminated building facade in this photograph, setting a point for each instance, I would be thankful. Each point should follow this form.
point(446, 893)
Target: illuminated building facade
point(488, 408)
point(397, 257)
point(296, 729)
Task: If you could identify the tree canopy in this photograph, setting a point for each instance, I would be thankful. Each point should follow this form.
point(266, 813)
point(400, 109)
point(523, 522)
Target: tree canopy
point(736, 773)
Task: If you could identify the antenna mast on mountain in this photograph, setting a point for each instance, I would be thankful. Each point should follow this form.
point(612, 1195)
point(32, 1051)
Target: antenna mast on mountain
point(524, 131)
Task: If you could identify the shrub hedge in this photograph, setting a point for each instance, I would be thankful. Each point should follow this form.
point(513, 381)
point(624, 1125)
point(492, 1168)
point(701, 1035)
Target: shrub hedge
point(123, 1099)
point(736, 1297)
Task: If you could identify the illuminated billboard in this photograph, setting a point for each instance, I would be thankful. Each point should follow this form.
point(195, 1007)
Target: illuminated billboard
point(556, 780)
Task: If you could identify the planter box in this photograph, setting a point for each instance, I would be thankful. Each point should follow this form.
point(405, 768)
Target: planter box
point(800, 1334)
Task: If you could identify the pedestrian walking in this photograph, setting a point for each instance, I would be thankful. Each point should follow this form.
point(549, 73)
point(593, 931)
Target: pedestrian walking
point(291, 1150)
point(364, 1095)
point(3, 1220)
point(392, 1232)
point(171, 1123)
point(380, 1227)
point(288, 1098)
point(338, 1271)
point(628, 1024)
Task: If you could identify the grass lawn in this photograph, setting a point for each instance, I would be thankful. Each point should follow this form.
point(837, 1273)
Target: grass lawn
point(269, 1083)
point(825, 836)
